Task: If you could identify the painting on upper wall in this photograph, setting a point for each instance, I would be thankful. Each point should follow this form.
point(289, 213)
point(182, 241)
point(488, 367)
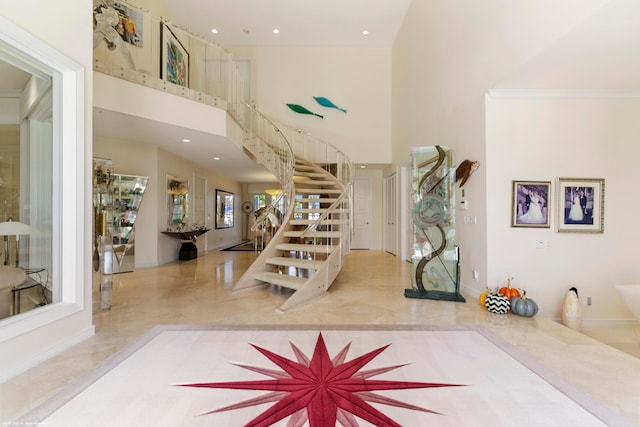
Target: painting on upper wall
point(530, 204)
point(580, 205)
point(129, 24)
point(174, 58)
point(126, 21)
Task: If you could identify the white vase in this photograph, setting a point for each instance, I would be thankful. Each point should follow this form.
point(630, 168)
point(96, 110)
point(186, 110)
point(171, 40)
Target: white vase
point(572, 310)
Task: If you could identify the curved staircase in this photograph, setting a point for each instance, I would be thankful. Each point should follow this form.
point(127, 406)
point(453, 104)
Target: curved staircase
point(306, 252)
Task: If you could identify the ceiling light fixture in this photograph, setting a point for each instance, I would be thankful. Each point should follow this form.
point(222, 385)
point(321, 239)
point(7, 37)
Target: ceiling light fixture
point(216, 158)
point(276, 31)
point(214, 31)
point(364, 166)
point(365, 32)
point(186, 140)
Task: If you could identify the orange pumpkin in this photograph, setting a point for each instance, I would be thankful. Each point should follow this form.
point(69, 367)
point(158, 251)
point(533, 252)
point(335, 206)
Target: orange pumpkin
point(508, 291)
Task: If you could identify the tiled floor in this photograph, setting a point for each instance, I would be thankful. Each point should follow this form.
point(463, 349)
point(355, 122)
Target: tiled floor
point(368, 291)
point(624, 337)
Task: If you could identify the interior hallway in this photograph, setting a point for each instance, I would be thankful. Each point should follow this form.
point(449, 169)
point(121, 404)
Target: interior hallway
point(368, 291)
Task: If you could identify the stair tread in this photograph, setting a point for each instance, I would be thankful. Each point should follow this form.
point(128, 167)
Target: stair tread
point(313, 182)
point(313, 234)
point(311, 200)
point(309, 174)
point(319, 190)
point(319, 210)
point(323, 222)
point(287, 281)
point(299, 247)
point(308, 264)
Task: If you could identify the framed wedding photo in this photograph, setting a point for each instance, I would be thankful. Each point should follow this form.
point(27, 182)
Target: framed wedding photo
point(530, 204)
point(580, 205)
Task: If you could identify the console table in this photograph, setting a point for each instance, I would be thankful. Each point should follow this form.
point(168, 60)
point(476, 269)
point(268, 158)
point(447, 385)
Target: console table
point(188, 250)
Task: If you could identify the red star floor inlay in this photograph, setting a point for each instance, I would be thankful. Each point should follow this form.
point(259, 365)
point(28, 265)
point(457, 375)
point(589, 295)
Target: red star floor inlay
point(320, 390)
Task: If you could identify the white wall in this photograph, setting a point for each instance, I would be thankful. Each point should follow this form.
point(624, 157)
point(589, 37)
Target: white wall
point(447, 55)
point(356, 79)
point(544, 138)
point(45, 20)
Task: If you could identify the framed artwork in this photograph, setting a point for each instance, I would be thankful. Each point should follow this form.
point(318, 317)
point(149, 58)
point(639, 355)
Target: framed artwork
point(174, 58)
point(224, 209)
point(128, 27)
point(530, 204)
point(580, 205)
point(177, 202)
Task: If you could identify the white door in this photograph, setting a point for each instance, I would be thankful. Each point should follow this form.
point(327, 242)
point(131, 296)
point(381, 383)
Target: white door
point(390, 214)
point(362, 213)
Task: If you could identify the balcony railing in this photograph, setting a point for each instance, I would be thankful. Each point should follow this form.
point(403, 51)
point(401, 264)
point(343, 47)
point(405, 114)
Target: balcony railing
point(167, 57)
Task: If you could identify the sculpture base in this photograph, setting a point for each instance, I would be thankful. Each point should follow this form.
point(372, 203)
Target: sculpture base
point(188, 251)
point(435, 295)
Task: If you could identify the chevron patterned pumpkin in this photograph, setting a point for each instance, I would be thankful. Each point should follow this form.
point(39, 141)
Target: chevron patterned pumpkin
point(497, 303)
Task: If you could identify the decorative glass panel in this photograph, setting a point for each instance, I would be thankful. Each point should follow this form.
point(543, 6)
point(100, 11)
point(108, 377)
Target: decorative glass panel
point(435, 270)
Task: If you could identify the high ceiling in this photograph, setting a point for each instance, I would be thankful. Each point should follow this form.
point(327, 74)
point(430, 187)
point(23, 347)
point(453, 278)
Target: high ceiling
point(251, 23)
point(300, 23)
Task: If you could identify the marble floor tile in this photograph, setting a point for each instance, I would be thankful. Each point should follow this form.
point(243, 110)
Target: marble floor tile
point(368, 291)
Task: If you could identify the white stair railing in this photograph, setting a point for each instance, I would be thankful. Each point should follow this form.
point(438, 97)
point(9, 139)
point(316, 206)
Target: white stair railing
point(212, 76)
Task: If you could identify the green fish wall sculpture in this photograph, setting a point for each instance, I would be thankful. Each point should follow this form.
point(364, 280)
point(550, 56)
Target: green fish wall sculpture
point(327, 103)
point(300, 109)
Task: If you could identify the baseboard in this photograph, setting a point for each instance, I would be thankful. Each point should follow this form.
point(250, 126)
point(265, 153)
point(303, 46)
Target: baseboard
point(32, 360)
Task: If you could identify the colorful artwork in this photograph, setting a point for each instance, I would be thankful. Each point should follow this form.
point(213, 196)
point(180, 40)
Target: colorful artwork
point(327, 103)
point(302, 110)
point(174, 58)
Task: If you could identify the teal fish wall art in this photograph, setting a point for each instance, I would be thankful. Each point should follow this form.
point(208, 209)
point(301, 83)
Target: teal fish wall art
point(327, 103)
point(302, 110)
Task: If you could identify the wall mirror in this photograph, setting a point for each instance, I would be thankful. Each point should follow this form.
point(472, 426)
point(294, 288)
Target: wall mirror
point(26, 205)
point(224, 209)
point(46, 109)
point(177, 202)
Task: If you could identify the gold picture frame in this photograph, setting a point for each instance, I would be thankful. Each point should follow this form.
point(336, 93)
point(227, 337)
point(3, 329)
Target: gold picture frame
point(580, 205)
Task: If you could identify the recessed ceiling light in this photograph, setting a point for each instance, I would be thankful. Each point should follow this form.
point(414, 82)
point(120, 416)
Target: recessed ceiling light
point(276, 31)
point(214, 31)
point(365, 32)
point(186, 140)
point(216, 158)
point(364, 166)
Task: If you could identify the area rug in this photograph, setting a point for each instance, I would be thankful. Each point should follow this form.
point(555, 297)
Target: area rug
point(256, 376)
point(244, 246)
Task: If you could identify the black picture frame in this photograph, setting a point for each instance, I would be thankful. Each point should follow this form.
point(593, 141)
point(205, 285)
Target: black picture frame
point(225, 209)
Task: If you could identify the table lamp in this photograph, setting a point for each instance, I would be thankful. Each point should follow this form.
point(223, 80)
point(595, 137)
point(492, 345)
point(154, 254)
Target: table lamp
point(14, 228)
